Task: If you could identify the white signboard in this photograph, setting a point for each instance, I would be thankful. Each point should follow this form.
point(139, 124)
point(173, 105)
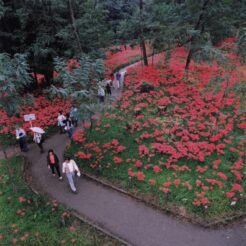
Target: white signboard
point(29, 117)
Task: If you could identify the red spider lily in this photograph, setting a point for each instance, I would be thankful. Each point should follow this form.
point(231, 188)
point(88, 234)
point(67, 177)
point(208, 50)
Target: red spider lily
point(237, 188)
point(138, 163)
point(82, 155)
point(140, 176)
point(214, 182)
point(230, 194)
point(86, 125)
point(238, 175)
point(166, 184)
point(79, 136)
point(115, 142)
point(131, 173)
point(117, 160)
point(201, 169)
point(198, 183)
point(143, 150)
point(177, 182)
point(242, 126)
point(164, 189)
point(152, 182)
point(222, 175)
point(164, 101)
point(157, 169)
point(188, 185)
point(217, 162)
point(22, 199)
point(119, 149)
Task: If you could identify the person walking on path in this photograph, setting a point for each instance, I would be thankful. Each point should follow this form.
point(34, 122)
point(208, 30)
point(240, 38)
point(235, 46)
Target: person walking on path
point(74, 115)
point(108, 89)
point(68, 126)
point(116, 82)
point(21, 137)
point(118, 78)
point(101, 94)
point(123, 73)
point(60, 121)
point(38, 139)
point(70, 168)
point(53, 163)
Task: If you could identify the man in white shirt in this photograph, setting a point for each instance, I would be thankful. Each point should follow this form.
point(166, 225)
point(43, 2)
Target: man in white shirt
point(61, 121)
point(21, 137)
point(101, 94)
point(70, 167)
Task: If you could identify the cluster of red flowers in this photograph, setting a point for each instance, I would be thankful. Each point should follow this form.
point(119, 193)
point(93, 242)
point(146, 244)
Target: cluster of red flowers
point(46, 113)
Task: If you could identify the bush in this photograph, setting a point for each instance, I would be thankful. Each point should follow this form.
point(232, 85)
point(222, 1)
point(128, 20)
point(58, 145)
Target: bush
point(146, 88)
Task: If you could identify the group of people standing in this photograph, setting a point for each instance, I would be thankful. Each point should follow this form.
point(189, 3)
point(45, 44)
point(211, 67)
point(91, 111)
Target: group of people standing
point(68, 121)
point(65, 123)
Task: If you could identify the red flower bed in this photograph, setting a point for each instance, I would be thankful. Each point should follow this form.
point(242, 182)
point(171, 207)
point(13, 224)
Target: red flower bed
point(121, 55)
point(179, 139)
point(46, 113)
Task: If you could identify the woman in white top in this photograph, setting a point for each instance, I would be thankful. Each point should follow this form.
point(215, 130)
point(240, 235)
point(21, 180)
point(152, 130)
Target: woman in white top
point(70, 167)
point(38, 139)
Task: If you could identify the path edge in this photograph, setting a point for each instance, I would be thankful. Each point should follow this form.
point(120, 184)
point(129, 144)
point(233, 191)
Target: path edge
point(209, 225)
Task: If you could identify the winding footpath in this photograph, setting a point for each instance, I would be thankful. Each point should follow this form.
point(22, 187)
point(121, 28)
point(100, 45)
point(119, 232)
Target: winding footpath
point(120, 215)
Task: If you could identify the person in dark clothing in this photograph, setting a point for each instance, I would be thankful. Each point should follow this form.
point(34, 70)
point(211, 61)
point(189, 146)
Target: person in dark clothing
point(118, 76)
point(53, 163)
point(108, 89)
point(74, 115)
point(68, 125)
point(21, 137)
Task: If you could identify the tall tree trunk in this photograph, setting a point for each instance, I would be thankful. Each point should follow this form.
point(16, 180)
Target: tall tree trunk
point(200, 25)
point(75, 30)
point(142, 41)
point(95, 4)
point(188, 60)
point(143, 47)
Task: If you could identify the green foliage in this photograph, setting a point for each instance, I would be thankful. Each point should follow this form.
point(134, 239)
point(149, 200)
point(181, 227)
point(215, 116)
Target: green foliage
point(14, 78)
point(146, 87)
point(80, 81)
point(242, 45)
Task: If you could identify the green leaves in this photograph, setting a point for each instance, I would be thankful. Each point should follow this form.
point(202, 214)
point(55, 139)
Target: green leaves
point(14, 77)
point(77, 78)
point(241, 46)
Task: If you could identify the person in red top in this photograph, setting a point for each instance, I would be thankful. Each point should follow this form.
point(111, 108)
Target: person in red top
point(53, 163)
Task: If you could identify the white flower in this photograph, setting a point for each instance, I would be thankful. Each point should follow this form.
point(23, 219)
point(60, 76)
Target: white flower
point(233, 203)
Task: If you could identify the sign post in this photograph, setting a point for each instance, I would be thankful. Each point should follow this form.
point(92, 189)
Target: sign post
point(29, 117)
